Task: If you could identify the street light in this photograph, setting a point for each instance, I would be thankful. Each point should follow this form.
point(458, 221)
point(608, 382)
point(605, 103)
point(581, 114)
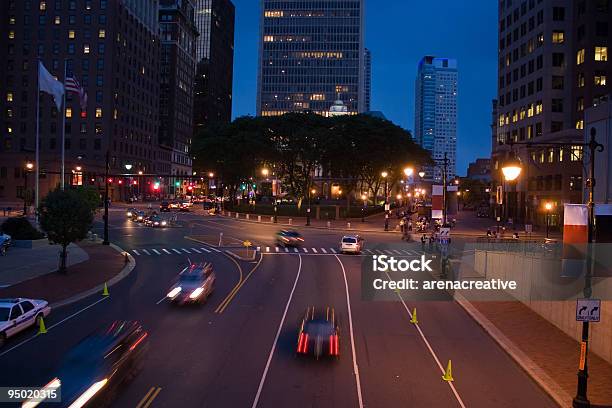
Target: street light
point(211, 174)
point(409, 171)
point(548, 207)
point(310, 193)
point(28, 169)
point(511, 168)
point(265, 172)
point(128, 167)
point(421, 174)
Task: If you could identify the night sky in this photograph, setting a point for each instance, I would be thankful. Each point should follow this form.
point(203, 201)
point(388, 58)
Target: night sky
point(399, 33)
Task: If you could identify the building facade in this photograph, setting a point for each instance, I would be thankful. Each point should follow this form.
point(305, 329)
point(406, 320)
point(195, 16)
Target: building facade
point(480, 170)
point(367, 81)
point(177, 75)
point(215, 62)
point(112, 47)
point(553, 65)
point(311, 53)
point(436, 113)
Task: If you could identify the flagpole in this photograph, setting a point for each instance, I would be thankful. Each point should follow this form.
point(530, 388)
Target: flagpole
point(37, 159)
point(64, 128)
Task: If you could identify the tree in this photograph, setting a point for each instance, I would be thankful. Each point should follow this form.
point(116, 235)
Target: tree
point(66, 217)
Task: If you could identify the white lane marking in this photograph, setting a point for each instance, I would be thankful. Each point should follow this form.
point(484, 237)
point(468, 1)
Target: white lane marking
point(368, 251)
point(195, 250)
point(177, 251)
point(431, 351)
point(136, 252)
point(185, 250)
point(146, 252)
point(305, 250)
point(323, 250)
point(314, 250)
point(286, 249)
point(267, 249)
point(397, 252)
point(205, 250)
point(276, 249)
point(333, 250)
point(54, 325)
point(280, 327)
point(166, 251)
point(295, 250)
point(215, 249)
point(156, 251)
point(388, 252)
point(160, 300)
point(350, 315)
point(405, 252)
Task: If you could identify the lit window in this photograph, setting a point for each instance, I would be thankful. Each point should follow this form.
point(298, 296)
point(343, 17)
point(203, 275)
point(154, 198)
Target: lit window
point(12, 20)
point(560, 154)
point(501, 120)
point(601, 53)
point(530, 110)
point(71, 34)
point(98, 112)
point(317, 97)
point(57, 20)
point(102, 33)
point(522, 115)
point(42, 6)
point(68, 112)
point(9, 97)
point(275, 14)
point(580, 124)
point(580, 79)
point(558, 37)
point(551, 155)
point(85, 48)
point(514, 116)
point(580, 104)
point(268, 38)
point(11, 35)
point(539, 107)
point(576, 153)
point(600, 78)
point(580, 57)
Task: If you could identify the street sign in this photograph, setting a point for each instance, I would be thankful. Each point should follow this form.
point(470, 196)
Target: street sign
point(528, 228)
point(588, 310)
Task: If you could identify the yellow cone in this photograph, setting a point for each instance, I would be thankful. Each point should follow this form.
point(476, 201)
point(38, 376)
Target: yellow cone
point(105, 290)
point(413, 318)
point(448, 375)
point(41, 326)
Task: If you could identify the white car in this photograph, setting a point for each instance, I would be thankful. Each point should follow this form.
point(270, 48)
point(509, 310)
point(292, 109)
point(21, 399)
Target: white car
point(351, 244)
point(18, 314)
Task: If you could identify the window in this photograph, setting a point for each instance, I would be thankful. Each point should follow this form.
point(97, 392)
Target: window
point(27, 306)
point(601, 53)
point(42, 6)
point(551, 156)
point(580, 79)
point(57, 20)
point(539, 107)
point(102, 33)
point(16, 311)
point(580, 104)
point(557, 105)
point(580, 124)
point(85, 48)
point(71, 34)
point(580, 57)
point(9, 97)
point(530, 110)
point(556, 126)
point(600, 78)
point(601, 29)
point(70, 48)
point(538, 129)
point(68, 112)
point(576, 153)
point(98, 112)
point(557, 82)
point(101, 48)
point(558, 37)
point(558, 13)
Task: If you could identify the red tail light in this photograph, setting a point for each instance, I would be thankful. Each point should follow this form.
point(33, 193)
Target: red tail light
point(303, 343)
point(333, 345)
point(144, 336)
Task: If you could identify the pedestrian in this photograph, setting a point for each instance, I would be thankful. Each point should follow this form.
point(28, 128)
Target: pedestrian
point(401, 224)
point(489, 233)
point(423, 239)
point(410, 225)
point(431, 242)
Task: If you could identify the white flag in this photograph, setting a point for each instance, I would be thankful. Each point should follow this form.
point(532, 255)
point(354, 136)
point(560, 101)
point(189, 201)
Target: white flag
point(47, 83)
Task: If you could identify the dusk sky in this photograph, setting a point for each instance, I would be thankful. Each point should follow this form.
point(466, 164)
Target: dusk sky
point(399, 34)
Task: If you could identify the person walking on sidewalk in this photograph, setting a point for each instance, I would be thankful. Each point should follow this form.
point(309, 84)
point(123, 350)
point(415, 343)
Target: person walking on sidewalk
point(423, 241)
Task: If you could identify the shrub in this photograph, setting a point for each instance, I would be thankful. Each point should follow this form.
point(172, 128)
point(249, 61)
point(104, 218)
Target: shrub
point(20, 228)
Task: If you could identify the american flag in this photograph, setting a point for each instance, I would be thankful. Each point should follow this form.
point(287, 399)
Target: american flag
point(72, 85)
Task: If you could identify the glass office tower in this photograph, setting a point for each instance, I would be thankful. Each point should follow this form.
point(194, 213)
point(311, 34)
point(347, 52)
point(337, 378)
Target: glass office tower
point(311, 54)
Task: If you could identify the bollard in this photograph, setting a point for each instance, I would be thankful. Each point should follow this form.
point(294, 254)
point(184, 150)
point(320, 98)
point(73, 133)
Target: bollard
point(348, 225)
point(271, 219)
point(290, 221)
point(247, 216)
point(328, 224)
point(229, 213)
point(237, 215)
point(259, 218)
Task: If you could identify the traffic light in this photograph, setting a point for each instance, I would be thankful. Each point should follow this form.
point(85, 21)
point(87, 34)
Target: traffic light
point(156, 186)
point(177, 184)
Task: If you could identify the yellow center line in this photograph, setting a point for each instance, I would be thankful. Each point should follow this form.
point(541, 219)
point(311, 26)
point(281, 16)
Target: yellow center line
point(142, 401)
point(153, 396)
point(232, 295)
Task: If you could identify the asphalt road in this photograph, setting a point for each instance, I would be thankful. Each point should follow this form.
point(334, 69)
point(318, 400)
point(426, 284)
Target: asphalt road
point(239, 350)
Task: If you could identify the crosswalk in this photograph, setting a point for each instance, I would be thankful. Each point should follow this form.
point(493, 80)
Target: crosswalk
point(270, 250)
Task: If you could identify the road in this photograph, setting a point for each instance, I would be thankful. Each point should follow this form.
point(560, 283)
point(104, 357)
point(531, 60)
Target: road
point(239, 350)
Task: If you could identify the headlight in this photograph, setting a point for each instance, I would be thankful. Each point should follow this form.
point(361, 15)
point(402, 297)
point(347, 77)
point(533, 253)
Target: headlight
point(164, 223)
point(87, 395)
point(156, 223)
point(140, 217)
point(174, 292)
point(196, 293)
point(129, 214)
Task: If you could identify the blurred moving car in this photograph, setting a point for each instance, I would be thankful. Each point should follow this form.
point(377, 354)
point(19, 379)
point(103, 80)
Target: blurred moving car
point(289, 238)
point(194, 285)
point(138, 216)
point(174, 205)
point(5, 242)
point(92, 372)
point(164, 206)
point(130, 212)
point(155, 221)
point(319, 334)
point(18, 314)
point(351, 244)
point(185, 205)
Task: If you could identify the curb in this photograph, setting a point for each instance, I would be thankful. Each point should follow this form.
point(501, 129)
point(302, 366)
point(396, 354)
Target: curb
point(127, 269)
point(241, 258)
point(544, 381)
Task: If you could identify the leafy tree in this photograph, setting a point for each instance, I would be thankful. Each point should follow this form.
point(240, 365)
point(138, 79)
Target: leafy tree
point(66, 217)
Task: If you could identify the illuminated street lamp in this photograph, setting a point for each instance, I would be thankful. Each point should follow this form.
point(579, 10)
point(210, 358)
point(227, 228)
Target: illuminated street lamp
point(364, 198)
point(548, 207)
point(211, 174)
point(409, 171)
point(128, 167)
point(29, 166)
point(421, 174)
point(265, 172)
point(311, 192)
point(511, 168)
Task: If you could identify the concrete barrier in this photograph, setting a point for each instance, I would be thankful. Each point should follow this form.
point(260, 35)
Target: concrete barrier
point(237, 215)
point(271, 219)
point(328, 224)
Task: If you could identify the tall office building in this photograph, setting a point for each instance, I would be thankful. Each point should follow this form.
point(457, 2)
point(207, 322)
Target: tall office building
point(367, 80)
point(311, 54)
point(436, 113)
point(215, 61)
point(112, 48)
point(553, 64)
point(177, 75)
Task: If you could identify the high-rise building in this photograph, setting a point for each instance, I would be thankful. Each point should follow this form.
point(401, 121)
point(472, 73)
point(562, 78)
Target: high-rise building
point(215, 61)
point(177, 75)
point(553, 64)
point(311, 54)
point(367, 80)
point(436, 113)
point(112, 48)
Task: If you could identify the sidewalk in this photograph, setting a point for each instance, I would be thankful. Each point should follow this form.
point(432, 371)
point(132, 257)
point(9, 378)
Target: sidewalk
point(22, 264)
point(103, 263)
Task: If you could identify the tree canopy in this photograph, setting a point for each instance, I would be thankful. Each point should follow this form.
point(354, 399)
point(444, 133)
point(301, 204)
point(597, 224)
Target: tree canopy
point(351, 150)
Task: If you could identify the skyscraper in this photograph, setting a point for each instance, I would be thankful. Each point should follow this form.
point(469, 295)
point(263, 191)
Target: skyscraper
point(311, 53)
point(367, 80)
point(553, 64)
point(215, 61)
point(436, 112)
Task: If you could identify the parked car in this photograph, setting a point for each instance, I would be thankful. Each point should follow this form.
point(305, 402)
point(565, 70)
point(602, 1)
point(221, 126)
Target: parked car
point(351, 244)
point(19, 314)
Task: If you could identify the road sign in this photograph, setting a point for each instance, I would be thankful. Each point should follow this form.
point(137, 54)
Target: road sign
point(247, 243)
point(588, 310)
point(528, 228)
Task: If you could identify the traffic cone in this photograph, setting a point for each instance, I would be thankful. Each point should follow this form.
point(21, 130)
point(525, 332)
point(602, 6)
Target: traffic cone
point(448, 375)
point(41, 326)
point(105, 290)
point(413, 318)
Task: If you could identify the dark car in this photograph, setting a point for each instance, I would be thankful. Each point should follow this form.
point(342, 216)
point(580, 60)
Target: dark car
point(164, 206)
point(318, 334)
point(138, 216)
point(194, 284)
point(289, 238)
point(93, 371)
point(155, 221)
point(130, 212)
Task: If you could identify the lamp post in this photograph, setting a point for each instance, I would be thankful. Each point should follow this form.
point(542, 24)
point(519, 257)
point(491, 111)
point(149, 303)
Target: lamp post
point(548, 207)
point(384, 175)
point(28, 169)
point(310, 192)
point(107, 168)
point(365, 206)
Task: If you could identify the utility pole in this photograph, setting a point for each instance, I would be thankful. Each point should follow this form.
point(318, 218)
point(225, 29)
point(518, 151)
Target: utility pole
point(107, 168)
